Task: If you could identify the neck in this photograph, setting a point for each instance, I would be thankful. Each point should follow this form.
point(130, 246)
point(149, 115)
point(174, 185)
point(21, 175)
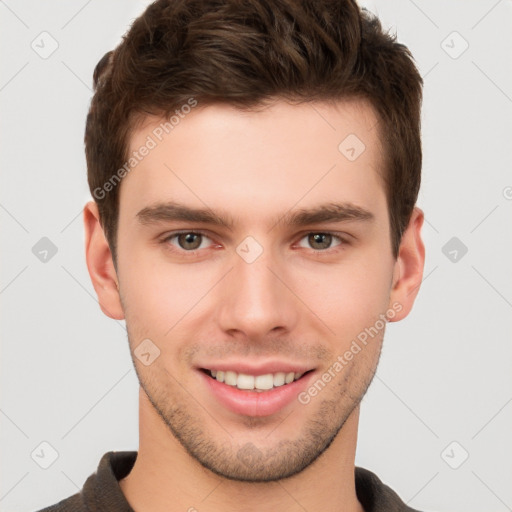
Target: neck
point(166, 478)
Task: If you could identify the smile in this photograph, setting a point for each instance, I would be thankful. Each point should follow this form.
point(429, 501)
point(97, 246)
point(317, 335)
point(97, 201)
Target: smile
point(256, 383)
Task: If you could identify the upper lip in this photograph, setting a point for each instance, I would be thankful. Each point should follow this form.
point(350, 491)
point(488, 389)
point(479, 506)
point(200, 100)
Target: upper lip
point(252, 368)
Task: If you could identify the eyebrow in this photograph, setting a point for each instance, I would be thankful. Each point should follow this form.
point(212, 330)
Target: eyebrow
point(325, 213)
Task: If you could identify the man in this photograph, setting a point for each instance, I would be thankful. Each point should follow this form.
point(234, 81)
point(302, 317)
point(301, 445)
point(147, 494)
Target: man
point(255, 167)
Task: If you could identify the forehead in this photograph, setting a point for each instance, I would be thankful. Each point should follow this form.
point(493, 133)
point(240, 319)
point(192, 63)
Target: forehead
point(253, 161)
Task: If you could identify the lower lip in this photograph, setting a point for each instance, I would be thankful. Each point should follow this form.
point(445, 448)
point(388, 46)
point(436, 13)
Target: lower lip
point(254, 403)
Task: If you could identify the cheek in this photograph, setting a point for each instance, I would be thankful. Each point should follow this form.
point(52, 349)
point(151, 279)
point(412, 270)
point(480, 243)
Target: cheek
point(349, 296)
point(158, 294)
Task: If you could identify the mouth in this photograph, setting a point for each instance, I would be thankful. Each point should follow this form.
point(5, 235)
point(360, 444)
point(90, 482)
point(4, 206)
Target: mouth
point(248, 394)
point(254, 383)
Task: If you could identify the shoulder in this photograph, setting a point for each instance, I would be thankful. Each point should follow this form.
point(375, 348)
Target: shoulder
point(101, 491)
point(375, 495)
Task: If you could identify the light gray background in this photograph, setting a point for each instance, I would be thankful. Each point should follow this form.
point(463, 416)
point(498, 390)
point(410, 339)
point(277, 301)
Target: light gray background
point(445, 372)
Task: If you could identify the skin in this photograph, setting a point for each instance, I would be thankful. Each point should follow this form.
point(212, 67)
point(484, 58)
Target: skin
point(295, 302)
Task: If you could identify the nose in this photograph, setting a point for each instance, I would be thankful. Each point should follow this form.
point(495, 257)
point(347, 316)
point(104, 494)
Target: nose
point(256, 299)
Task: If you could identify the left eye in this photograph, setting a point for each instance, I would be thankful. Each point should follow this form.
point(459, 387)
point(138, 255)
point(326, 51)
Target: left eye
point(321, 241)
point(189, 241)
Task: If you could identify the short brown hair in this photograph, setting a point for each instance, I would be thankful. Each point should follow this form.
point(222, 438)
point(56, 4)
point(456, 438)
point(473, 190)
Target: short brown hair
point(244, 52)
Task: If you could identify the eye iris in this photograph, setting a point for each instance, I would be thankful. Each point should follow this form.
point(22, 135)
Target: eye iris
point(324, 239)
point(184, 239)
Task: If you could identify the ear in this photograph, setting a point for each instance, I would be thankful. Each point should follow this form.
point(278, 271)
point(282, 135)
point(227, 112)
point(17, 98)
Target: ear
point(408, 271)
point(100, 264)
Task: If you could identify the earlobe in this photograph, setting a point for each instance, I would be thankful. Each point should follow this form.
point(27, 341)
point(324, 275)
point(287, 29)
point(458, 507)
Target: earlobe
point(408, 271)
point(100, 265)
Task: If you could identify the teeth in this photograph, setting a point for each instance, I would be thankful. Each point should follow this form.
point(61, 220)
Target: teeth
point(279, 379)
point(258, 383)
point(264, 381)
point(230, 378)
point(244, 381)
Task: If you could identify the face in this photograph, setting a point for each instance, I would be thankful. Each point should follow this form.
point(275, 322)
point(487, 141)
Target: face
point(254, 256)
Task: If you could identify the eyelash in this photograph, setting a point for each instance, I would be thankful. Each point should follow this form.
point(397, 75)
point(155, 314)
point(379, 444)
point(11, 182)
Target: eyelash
point(174, 234)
